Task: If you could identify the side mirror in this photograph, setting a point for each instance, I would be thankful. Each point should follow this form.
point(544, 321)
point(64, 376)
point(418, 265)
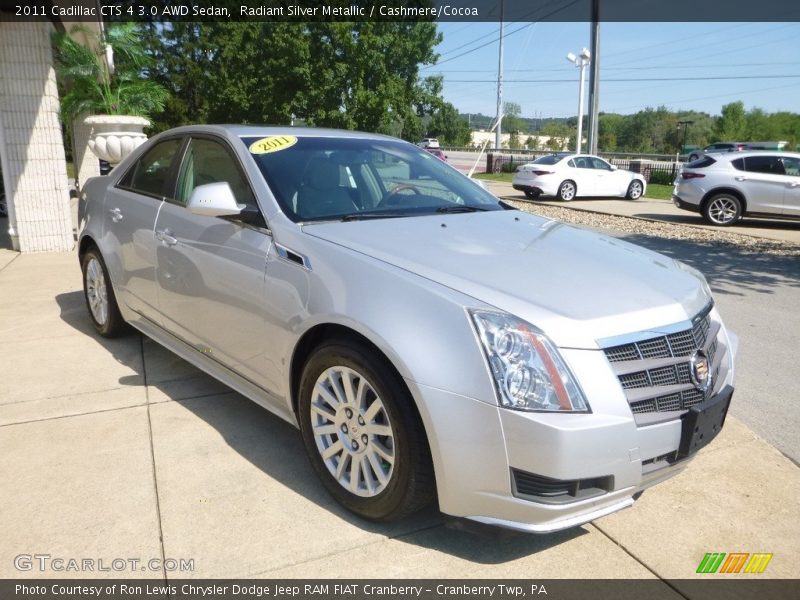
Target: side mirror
point(214, 200)
point(614, 167)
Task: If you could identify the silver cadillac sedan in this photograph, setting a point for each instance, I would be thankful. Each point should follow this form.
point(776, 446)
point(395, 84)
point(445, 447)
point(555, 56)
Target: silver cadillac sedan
point(431, 342)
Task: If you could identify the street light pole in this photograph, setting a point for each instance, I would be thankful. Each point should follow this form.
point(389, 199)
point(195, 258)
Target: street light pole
point(685, 125)
point(498, 132)
point(580, 61)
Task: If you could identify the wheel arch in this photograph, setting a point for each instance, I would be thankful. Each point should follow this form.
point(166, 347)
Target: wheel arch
point(724, 190)
point(85, 244)
point(317, 335)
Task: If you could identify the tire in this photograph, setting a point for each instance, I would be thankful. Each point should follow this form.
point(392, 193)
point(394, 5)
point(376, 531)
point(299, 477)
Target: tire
point(3, 206)
point(382, 490)
point(531, 194)
point(634, 190)
point(567, 191)
point(723, 210)
point(99, 295)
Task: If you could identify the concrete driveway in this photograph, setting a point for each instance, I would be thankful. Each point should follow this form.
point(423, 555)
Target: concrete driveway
point(118, 449)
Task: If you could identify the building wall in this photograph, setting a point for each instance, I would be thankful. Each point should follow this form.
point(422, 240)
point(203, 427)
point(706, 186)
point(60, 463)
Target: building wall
point(479, 137)
point(31, 142)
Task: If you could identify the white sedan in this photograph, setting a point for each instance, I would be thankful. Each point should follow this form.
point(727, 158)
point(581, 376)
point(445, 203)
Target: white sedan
point(567, 176)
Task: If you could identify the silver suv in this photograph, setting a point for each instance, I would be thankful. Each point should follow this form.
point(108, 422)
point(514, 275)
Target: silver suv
point(726, 187)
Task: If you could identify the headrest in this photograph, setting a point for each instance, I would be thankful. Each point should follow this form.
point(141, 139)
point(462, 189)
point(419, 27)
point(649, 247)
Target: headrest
point(321, 173)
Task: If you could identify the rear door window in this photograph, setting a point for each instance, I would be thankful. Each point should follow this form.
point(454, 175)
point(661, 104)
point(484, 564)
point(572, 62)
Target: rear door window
point(701, 163)
point(149, 175)
point(764, 164)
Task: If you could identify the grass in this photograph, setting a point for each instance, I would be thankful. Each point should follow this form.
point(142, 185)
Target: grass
point(505, 177)
point(659, 191)
point(656, 191)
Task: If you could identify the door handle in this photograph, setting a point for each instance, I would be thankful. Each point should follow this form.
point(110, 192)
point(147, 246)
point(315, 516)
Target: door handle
point(794, 184)
point(741, 178)
point(165, 236)
point(116, 215)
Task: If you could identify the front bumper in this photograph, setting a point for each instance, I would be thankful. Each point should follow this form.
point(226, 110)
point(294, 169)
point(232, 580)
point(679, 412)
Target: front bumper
point(479, 449)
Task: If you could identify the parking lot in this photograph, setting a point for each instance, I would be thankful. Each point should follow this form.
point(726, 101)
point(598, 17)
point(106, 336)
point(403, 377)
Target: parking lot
point(117, 448)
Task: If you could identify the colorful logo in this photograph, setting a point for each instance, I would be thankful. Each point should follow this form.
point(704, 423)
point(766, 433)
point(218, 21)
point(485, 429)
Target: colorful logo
point(735, 562)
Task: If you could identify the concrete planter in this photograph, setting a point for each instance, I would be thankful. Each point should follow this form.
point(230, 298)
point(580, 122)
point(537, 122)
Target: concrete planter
point(113, 137)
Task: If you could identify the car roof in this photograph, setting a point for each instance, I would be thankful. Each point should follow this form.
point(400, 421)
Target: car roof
point(730, 156)
point(268, 130)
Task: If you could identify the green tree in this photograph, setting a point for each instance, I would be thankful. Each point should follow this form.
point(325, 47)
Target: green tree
point(512, 118)
point(558, 134)
point(349, 75)
point(182, 63)
point(449, 126)
point(732, 124)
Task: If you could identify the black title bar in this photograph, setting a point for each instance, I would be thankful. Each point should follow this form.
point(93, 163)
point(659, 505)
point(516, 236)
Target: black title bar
point(402, 10)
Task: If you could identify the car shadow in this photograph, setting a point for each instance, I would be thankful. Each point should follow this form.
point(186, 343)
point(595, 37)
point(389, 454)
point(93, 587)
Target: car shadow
point(729, 268)
point(275, 447)
point(741, 227)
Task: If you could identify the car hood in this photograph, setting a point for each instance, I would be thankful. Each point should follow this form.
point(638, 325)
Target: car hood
point(575, 285)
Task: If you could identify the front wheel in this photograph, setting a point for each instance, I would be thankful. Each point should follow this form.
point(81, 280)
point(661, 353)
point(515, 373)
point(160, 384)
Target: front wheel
point(634, 190)
point(722, 209)
point(362, 433)
point(99, 296)
point(566, 191)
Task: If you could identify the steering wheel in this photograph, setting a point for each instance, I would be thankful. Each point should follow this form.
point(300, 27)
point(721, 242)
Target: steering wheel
point(387, 199)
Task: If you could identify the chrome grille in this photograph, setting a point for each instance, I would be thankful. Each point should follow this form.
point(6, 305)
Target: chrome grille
point(655, 372)
point(682, 343)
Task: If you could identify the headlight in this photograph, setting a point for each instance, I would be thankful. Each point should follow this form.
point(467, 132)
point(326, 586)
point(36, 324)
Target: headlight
point(528, 371)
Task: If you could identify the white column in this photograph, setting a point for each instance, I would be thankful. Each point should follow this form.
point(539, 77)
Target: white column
point(31, 144)
point(86, 163)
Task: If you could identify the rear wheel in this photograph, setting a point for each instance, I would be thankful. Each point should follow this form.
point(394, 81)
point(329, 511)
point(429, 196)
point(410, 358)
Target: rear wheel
point(362, 433)
point(722, 209)
point(567, 190)
point(99, 296)
point(634, 190)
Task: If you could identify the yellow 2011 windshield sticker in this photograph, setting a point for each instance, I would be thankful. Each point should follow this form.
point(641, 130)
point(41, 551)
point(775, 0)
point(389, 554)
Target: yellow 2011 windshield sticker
point(273, 143)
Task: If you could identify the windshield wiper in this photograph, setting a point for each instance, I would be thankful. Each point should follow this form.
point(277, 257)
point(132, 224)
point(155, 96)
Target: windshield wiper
point(459, 209)
point(373, 215)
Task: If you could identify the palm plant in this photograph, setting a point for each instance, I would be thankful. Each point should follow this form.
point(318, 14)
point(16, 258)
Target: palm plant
point(90, 88)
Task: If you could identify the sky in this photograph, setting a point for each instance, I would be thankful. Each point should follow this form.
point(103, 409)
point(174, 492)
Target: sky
point(707, 64)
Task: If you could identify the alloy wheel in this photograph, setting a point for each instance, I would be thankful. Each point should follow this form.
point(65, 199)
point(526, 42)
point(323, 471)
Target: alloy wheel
point(96, 292)
point(723, 210)
point(352, 431)
point(567, 190)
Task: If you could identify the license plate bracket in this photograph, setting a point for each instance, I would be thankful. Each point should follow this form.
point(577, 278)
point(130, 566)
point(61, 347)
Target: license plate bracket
point(703, 423)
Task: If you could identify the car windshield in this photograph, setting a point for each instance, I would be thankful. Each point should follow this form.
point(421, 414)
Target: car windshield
point(327, 178)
